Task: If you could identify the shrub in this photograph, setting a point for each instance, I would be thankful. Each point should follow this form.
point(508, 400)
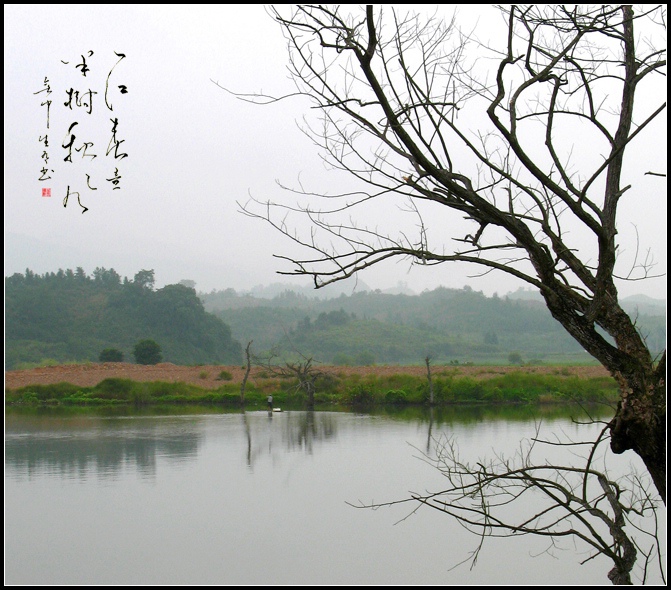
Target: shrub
point(467, 389)
point(147, 352)
point(110, 355)
point(494, 395)
point(396, 396)
point(442, 390)
point(30, 398)
point(114, 388)
point(360, 395)
point(140, 395)
point(42, 392)
point(225, 376)
point(327, 383)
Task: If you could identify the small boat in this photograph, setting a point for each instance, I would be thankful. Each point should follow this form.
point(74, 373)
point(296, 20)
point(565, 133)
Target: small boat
point(277, 409)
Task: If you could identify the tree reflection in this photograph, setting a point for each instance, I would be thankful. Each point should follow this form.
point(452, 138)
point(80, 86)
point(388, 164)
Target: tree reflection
point(296, 430)
point(303, 429)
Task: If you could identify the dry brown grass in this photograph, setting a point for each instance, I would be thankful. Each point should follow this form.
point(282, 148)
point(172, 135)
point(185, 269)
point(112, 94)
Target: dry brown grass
point(88, 375)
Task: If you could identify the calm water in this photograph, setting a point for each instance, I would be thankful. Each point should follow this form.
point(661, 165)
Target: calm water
point(231, 498)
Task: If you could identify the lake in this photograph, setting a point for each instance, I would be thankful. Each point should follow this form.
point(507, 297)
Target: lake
point(198, 496)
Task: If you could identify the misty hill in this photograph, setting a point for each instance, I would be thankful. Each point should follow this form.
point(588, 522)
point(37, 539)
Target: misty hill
point(634, 304)
point(347, 286)
point(69, 316)
point(448, 324)
point(644, 305)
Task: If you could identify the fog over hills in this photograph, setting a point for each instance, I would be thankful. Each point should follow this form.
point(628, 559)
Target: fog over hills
point(642, 304)
point(221, 270)
point(48, 255)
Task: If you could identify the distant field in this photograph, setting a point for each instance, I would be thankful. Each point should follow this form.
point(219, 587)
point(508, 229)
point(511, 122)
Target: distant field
point(207, 376)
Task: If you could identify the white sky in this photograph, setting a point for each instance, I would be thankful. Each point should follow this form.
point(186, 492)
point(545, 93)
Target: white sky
point(193, 150)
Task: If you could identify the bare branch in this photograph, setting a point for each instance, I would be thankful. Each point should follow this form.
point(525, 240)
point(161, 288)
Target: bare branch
point(514, 155)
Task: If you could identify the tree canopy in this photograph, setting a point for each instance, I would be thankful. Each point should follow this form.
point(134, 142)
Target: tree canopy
point(147, 352)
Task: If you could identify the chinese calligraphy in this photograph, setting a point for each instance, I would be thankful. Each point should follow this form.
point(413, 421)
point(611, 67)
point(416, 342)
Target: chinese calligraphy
point(80, 115)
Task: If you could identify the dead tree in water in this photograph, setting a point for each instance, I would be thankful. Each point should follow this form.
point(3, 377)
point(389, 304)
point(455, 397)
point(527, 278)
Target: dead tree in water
point(303, 370)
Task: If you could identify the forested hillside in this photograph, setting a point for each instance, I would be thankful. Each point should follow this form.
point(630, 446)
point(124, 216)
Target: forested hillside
point(69, 316)
point(450, 325)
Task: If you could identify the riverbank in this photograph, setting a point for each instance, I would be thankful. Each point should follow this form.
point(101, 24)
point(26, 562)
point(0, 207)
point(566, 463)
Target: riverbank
point(125, 383)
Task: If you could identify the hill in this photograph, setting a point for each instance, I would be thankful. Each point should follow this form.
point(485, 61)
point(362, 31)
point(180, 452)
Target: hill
point(450, 325)
point(69, 316)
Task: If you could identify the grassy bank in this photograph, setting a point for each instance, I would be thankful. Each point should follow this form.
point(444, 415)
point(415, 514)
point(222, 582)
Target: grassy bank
point(346, 390)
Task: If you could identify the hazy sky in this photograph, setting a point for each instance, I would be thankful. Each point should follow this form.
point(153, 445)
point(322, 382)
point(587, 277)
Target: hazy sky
point(193, 150)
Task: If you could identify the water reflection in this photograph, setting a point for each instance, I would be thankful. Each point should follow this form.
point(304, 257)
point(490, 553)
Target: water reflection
point(77, 447)
point(275, 433)
point(304, 430)
point(215, 497)
point(468, 414)
point(82, 445)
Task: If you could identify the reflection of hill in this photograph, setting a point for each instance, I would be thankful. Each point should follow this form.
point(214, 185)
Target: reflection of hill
point(103, 448)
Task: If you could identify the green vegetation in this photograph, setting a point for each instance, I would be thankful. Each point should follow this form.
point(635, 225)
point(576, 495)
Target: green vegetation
point(449, 325)
point(111, 355)
point(147, 352)
point(69, 316)
point(369, 391)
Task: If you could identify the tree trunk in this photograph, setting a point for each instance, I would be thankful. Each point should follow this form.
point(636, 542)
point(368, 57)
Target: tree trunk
point(640, 421)
point(244, 379)
point(427, 360)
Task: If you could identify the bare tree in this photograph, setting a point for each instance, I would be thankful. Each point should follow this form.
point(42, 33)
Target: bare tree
point(527, 144)
point(303, 370)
